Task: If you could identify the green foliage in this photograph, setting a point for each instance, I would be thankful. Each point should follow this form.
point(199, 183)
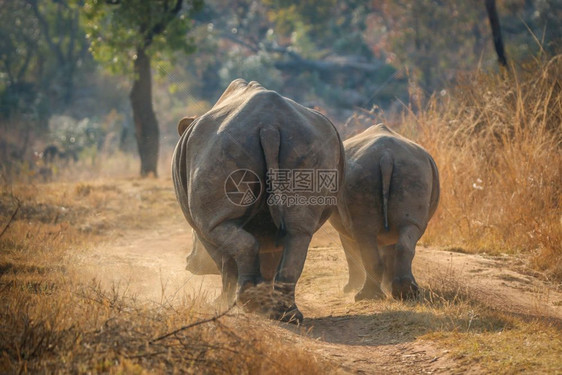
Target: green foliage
point(41, 50)
point(289, 15)
point(117, 30)
point(317, 27)
point(74, 135)
point(530, 28)
point(436, 39)
point(44, 49)
point(17, 44)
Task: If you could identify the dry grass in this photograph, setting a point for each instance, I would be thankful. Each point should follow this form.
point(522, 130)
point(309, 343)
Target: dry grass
point(523, 348)
point(475, 337)
point(492, 340)
point(86, 329)
point(92, 164)
point(475, 334)
point(497, 140)
point(50, 321)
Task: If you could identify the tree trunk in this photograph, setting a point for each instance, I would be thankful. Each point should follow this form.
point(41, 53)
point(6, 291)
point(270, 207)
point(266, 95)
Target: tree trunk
point(146, 125)
point(496, 31)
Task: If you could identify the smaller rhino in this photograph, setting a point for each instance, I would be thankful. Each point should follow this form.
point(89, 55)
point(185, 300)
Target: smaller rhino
point(391, 191)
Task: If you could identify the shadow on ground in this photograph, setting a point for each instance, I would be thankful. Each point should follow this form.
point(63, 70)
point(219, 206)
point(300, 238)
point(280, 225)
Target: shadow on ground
point(391, 327)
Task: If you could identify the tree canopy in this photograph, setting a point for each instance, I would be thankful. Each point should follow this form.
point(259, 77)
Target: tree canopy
point(128, 36)
point(117, 29)
point(40, 56)
point(342, 56)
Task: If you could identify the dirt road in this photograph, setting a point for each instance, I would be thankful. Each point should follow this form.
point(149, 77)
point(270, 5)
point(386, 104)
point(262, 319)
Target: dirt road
point(365, 337)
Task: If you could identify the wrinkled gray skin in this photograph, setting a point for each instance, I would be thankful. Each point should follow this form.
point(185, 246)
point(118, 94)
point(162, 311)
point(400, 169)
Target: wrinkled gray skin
point(255, 129)
point(391, 191)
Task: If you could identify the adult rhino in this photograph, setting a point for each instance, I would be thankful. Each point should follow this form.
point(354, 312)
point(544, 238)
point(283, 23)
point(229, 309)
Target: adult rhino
point(391, 191)
point(219, 170)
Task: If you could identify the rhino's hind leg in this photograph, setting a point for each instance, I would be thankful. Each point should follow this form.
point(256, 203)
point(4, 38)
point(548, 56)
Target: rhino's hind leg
point(403, 284)
point(373, 266)
point(354, 265)
point(235, 243)
point(388, 256)
point(290, 269)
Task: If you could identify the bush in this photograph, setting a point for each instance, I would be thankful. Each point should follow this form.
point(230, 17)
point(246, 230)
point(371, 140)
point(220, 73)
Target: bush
point(497, 142)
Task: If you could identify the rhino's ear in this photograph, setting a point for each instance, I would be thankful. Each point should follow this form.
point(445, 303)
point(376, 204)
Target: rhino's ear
point(184, 124)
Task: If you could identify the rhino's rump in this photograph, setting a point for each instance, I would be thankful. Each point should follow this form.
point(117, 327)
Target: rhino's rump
point(411, 182)
point(227, 138)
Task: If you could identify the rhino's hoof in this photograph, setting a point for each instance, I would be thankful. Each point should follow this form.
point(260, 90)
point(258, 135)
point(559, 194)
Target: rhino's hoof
point(366, 294)
point(290, 315)
point(405, 288)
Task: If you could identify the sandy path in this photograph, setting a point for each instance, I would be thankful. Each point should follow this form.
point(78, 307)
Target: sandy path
point(150, 264)
point(492, 282)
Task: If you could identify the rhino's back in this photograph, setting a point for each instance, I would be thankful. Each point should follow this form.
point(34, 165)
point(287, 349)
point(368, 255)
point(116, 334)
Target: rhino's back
point(365, 150)
point(370, 144)
point(232, 126)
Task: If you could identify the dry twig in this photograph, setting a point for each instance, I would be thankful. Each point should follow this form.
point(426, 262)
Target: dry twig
point(11, 218)
point(214, 318)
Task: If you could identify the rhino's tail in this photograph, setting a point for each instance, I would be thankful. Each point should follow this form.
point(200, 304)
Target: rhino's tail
point(435, 191)
point(270, 140)
point(386, 164)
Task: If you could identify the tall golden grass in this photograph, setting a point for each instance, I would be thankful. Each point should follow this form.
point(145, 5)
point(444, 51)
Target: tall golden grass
point(497, 140)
